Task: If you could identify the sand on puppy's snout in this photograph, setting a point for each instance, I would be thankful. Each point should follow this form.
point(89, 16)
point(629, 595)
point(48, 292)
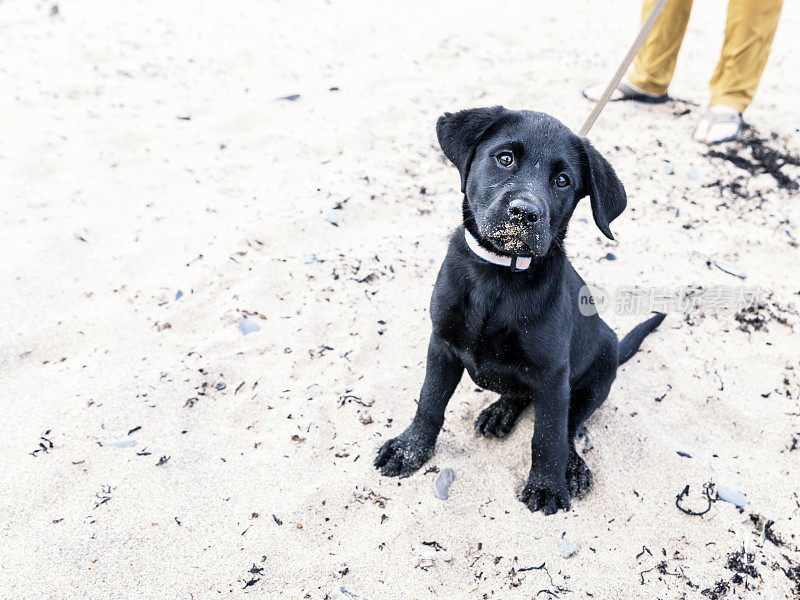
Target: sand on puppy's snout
point(509, 236)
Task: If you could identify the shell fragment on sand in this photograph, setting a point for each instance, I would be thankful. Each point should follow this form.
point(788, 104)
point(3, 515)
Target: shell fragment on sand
point(332, 217)
point(427, 560)
point(733, 496)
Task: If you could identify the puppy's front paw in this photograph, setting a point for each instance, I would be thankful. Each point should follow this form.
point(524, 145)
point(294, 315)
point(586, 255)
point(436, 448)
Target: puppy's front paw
point(579, 477)
point(404, 454)
point(544, 495)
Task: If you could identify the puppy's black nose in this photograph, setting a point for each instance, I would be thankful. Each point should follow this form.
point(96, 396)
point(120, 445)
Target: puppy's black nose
point(520, 210)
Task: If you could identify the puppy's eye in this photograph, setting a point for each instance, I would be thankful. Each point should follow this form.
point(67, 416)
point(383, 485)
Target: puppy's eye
point(562, 180)
point(506, 159)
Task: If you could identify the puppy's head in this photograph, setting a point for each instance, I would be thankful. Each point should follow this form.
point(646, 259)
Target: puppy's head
point(522, 174)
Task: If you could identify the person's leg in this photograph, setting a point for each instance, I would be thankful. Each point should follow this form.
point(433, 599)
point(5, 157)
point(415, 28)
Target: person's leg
point(654, 64)
point(748, 36)
point(749, 31)
point(649, 76)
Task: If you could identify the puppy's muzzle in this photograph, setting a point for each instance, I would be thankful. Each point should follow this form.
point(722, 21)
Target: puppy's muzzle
point(519, 226)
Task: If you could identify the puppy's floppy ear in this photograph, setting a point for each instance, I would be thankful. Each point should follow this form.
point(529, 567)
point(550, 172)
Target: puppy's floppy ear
point(459, 134)
point(604, 188)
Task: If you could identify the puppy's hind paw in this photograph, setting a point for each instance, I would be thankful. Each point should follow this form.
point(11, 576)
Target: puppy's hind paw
point(403, 455)
point(579, 477)
point(498, 419)
point(547, 497)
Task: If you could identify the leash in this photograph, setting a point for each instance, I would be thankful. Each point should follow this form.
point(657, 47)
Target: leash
point(626, 62)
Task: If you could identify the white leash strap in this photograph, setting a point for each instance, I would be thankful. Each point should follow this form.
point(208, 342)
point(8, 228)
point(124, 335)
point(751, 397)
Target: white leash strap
point(637, 43)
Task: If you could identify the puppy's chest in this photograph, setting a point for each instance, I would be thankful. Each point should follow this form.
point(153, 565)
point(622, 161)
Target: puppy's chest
point(487, 340)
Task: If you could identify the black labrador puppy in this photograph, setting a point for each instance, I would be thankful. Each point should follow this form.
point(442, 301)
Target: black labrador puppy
point(506, 302)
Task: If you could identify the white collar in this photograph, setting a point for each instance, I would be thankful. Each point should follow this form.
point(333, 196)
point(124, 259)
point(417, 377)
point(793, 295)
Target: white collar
point(517, 263)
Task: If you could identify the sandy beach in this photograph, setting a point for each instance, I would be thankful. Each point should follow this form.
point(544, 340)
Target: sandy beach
point(178, 173)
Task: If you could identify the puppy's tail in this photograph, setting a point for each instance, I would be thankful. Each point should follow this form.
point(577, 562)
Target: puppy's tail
point(631, 342)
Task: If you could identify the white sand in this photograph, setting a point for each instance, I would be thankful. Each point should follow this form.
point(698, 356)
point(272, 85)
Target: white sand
point(111, 204)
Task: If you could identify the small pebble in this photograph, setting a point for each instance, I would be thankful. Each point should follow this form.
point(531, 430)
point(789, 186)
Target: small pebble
point(733, 496)
point(566, 548)
point(693, 174)
point(441, 484)
point(247, 326)
point(669, 169)
point(179, 295)
point(332, 217)
point(611, 256)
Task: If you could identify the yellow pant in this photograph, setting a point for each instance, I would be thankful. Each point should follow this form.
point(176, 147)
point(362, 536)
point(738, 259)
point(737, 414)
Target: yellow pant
point(748, 35)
